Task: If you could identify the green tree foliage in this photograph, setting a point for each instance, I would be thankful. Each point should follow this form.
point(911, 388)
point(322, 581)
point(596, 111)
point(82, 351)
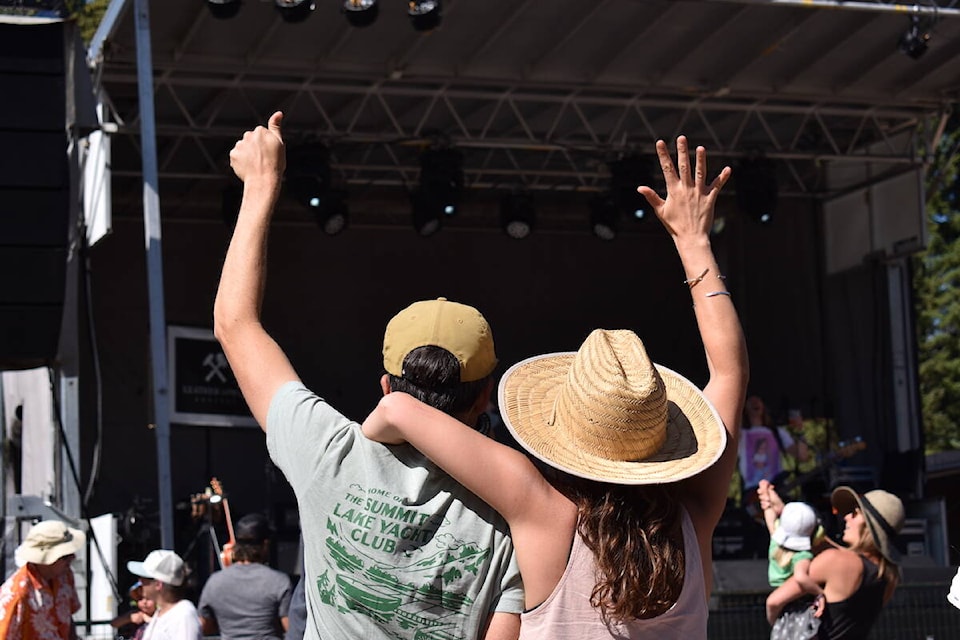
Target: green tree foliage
point(937, 287)
point(88, 15)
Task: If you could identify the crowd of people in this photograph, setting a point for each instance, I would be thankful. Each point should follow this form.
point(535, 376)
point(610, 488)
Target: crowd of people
point(416, 524)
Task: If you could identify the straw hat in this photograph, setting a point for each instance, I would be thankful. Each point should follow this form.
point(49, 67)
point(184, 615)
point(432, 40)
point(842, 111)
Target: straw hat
point(47, 542)
point(607, 413)
point(883, 512)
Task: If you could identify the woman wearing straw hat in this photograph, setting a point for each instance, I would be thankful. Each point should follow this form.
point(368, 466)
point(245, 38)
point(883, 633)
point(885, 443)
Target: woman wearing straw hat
point(613, 538)
point(852, 583)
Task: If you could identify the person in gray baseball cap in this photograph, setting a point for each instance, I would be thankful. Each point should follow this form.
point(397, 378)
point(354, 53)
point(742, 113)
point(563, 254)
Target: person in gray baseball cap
point(856, 581)
point(162, 574)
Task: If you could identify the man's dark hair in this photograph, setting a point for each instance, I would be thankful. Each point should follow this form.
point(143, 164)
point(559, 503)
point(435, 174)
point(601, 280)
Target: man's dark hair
point(251, 531)
point(432, 376)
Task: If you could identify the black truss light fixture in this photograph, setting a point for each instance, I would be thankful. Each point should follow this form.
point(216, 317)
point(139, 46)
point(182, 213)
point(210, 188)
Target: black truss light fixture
point(294, 10)
point(308, 174)
point(517, 215)
point(361, 13)
point(333, 212)
point(441, 178)
point(604, 217)
point(755, 181)
point(914, 40)
point(626, 174)
point(427, 212)
point(223, 9)
point(424, 14)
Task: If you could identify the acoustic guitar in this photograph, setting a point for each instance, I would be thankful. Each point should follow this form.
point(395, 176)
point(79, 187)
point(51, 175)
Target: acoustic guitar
point(226, 553)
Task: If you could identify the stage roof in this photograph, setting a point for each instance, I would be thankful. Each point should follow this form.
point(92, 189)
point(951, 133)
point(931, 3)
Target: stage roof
point(540, 94)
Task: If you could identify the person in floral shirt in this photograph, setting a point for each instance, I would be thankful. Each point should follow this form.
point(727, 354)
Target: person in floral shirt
point(38, 601)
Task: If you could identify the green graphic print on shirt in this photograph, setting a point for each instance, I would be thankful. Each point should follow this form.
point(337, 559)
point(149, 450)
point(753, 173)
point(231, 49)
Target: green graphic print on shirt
point(416, 596)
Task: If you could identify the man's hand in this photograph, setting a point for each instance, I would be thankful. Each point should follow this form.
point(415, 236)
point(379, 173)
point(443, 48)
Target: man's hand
point(259, 154)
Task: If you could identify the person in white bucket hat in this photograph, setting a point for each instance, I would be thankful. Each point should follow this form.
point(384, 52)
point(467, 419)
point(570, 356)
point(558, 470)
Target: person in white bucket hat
point(162, 575)
point(39, 599)
point(613, 533)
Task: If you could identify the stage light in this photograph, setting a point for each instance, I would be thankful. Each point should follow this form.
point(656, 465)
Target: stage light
point(308, 174)
point(294, 10)
point(755, 181)
point(333, 212)
point(914, 40)
point(427, 213)
point(361, 13)
point(517, 215)
point(441, 177)
point(424, 14)
point(223, 9)
point(604, 217)
point(626, 174)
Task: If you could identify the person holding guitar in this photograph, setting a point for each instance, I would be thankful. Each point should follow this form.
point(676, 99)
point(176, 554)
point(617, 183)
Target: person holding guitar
point(761, 448)
point(247, 599)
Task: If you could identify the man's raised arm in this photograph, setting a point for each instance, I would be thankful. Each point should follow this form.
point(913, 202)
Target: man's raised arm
point(258, 363)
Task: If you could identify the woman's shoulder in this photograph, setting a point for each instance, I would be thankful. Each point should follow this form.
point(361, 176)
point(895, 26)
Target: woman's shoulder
point(836, 559)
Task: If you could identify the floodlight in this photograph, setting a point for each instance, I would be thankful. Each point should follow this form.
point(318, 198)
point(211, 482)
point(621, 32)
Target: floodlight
point(333, 212)
point(626, 174)
point(308, 174)
point(755, 181)
point(361, 13)
point(223, 9)
point(427, 212)
point(517, 215)
point(441, 177)
point(604, 217)
point(294, 10)
point(424, 14)
point(914, 40)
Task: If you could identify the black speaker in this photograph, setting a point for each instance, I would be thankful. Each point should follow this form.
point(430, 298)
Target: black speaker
point(34, 193)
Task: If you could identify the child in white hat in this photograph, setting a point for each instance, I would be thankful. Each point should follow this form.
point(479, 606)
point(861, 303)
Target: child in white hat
point(793, 529)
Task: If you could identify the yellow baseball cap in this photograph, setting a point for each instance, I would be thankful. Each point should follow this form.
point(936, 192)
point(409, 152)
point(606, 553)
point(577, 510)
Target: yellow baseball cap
point(458, 328)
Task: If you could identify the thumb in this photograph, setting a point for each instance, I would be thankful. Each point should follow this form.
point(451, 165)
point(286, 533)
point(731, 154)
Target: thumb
point(655, 200)
point(274, 124)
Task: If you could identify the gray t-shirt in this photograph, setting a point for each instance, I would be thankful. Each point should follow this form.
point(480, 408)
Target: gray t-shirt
point(247, 601)
point(393, 546)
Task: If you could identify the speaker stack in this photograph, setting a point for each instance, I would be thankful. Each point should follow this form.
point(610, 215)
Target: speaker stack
point(34, 192)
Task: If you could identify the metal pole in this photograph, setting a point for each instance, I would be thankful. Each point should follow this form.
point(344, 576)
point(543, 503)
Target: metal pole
point(878, 6)
point(151, 227)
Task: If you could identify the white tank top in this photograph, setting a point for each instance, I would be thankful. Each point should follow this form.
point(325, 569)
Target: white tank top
point(567, 614)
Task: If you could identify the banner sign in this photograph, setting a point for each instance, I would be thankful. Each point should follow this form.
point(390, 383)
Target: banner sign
point(203, 390)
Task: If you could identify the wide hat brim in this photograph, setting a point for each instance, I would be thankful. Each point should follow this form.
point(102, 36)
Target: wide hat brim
point(845, 500)
point(74, 540)
point(695, 435)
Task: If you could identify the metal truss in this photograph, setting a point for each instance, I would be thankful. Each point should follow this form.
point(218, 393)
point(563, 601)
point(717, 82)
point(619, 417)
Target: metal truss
point(523, 137)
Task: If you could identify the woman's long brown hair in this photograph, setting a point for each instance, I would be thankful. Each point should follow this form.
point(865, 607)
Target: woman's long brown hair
point(636, 536)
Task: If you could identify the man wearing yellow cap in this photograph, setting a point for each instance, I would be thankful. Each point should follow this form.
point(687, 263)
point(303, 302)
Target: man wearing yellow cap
point(38, 601)
point(393, 546)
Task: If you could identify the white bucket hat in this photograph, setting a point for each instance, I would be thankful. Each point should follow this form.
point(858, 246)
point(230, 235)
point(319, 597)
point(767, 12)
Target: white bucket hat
point(797, 523)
